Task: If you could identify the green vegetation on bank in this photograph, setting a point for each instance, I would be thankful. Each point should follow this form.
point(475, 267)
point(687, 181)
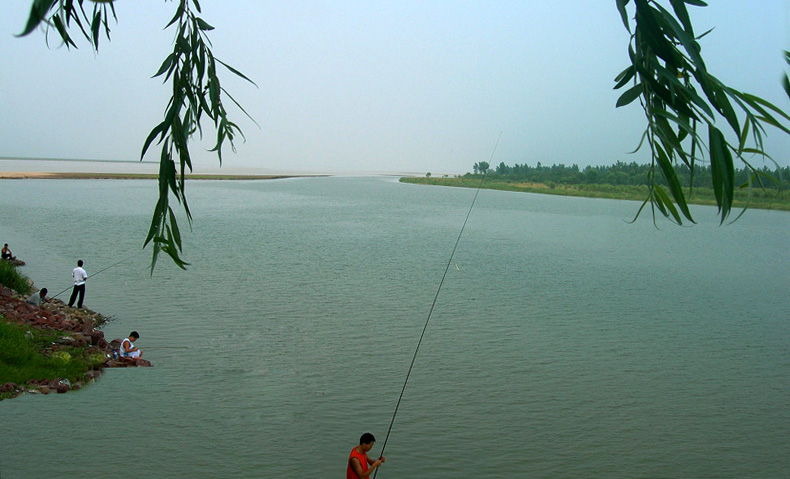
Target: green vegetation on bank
point(28, 353)
point(11, 278)
point(633, 173)
point(755, 197)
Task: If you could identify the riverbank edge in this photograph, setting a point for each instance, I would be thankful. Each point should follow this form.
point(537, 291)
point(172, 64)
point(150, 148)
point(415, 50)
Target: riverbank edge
point(593, 191)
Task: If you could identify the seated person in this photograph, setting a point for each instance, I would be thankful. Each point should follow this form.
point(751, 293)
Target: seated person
point(7, 252)
point(35, 298)
point(128, 349)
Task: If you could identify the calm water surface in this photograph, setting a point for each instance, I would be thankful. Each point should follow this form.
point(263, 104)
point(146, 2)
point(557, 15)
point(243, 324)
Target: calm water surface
point(565, 342)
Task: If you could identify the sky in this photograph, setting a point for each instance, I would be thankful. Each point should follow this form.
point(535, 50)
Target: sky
point(373, 86)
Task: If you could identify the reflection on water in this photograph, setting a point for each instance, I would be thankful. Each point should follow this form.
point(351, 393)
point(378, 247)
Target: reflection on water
point(565, 342)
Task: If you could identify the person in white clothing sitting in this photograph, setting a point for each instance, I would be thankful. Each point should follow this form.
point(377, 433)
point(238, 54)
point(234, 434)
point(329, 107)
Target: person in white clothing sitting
point(128, 349)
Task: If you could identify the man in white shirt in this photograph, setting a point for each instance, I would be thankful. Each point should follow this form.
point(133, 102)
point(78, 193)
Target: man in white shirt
point(128, 349)
point(79, 276)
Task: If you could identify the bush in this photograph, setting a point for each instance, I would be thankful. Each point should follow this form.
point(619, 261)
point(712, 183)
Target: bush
point(11, 278)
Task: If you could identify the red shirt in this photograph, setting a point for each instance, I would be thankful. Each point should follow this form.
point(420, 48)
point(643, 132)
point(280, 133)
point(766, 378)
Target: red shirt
point(363, 460)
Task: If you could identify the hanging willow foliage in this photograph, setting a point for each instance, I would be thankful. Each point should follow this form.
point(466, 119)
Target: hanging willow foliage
point(191, 69)
point(681, 99)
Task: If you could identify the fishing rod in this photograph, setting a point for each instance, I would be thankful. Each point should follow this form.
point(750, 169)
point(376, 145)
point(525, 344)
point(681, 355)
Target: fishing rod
point(433, 304)
point(97, 273)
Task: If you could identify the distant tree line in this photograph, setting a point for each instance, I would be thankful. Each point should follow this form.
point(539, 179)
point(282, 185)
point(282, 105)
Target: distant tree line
point(622, 173)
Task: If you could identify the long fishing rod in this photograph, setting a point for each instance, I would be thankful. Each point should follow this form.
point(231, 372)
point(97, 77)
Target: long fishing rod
point(433, 304)
point(97, 273)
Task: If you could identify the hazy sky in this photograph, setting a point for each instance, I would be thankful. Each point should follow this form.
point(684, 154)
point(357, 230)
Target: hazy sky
point(387, 86)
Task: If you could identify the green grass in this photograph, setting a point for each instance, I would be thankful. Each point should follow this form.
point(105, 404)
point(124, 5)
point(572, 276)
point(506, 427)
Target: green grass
point(756, 198)
point(11, 278)
point(28, 353)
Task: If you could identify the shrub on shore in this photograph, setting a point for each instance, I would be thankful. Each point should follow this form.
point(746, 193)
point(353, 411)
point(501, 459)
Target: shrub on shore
point(11, 278)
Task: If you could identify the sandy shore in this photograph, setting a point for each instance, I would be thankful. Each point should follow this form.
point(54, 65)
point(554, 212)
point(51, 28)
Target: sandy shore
point(19, 175)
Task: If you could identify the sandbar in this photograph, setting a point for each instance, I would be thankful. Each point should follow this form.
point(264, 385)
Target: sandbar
point(19, 175)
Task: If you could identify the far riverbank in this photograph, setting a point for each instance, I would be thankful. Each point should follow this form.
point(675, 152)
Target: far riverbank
point(756, 198)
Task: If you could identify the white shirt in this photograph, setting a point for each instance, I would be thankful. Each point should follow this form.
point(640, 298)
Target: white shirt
point(79, 276)
point(125, 353)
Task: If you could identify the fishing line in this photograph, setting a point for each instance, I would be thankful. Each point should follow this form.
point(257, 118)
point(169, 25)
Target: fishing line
point(433, 304)
point(97, 273)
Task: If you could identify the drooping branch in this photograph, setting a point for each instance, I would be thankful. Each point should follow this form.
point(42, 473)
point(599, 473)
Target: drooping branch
point(191, 69)
point(680, 97)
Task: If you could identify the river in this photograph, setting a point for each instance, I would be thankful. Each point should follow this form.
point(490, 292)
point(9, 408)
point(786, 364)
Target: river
point(565, 341)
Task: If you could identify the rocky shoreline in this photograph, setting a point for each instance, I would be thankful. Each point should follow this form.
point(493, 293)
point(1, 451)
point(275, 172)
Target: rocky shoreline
point(77, 328)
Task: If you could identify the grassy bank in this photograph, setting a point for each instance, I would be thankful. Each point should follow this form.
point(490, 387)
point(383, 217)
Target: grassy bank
point(11, 278)
point(28, 353)
point(757, 198)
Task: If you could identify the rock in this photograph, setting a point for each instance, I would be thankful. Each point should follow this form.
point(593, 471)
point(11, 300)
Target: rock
point(61, 385)
point(8, 388)
point(97, 337)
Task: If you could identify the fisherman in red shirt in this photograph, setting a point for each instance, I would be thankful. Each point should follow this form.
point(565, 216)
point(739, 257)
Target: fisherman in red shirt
point(359, 461)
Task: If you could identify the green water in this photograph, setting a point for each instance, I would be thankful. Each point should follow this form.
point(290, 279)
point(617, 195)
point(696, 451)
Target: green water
point(565, 342)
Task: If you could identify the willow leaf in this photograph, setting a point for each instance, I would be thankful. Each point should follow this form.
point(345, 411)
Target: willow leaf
point(158, 130)
point(95, 26)
point(621, 4)
point(174, 228)
point(38, 12)
point(679, 6)
point(166, 65)
point(235, 72)
point(203, 25)
point(624, 77)
point(64, 35)
point(630, 95)
point(179, 13)
point(161, 206)
point(765, 103)
point(664, 204)
point(648, 19)
point(674, 184)
point(687, 40)
point(723, 172)
point(240, 108)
